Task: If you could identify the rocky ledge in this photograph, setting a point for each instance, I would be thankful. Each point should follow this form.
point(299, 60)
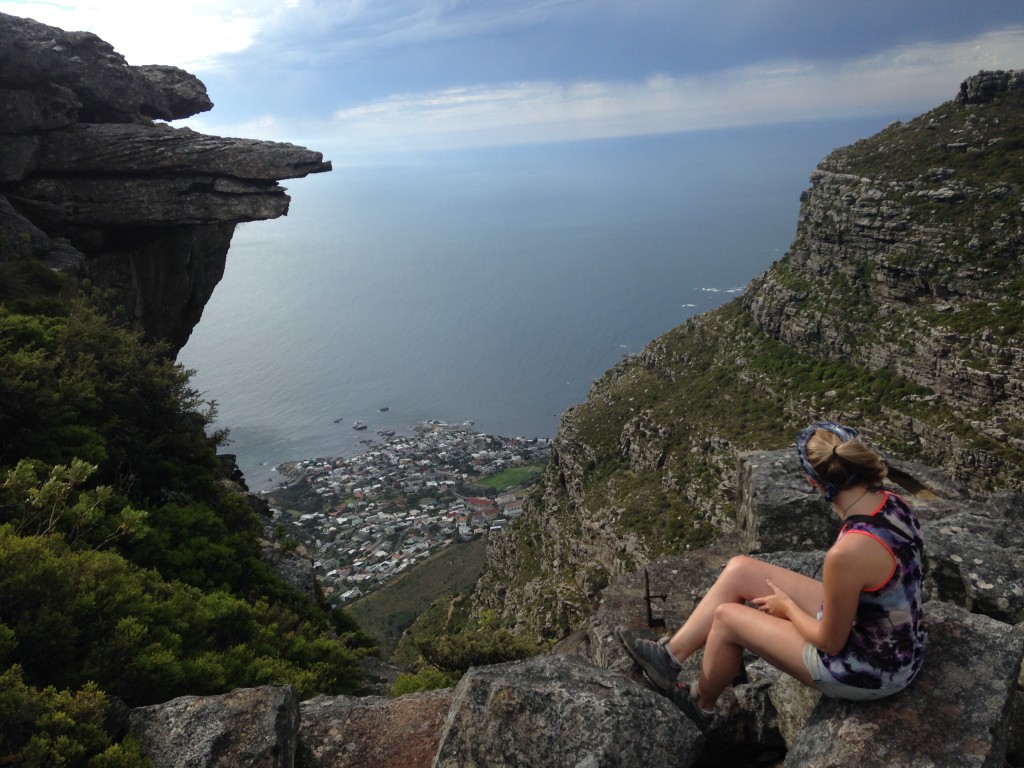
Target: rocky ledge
point(93, 186)
point(586, 705)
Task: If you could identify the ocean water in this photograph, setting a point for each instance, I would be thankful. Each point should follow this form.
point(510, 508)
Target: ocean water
point(490, 286)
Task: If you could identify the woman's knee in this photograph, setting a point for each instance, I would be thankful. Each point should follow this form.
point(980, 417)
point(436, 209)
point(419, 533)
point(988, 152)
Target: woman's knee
point(744, 572)
point(727, 616)
point(736, 567)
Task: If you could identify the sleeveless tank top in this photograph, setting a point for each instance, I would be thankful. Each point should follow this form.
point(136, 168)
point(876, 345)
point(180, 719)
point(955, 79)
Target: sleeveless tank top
point(886, 645)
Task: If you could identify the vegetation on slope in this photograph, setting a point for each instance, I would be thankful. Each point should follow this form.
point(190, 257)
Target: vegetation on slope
point(446, 640)
point(130, 568)
point(386, 613)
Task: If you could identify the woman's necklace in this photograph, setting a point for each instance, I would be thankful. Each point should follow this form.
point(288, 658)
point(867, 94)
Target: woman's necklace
point(854, 502)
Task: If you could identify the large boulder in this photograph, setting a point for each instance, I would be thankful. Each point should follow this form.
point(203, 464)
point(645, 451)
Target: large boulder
point(776, 509)
point(976, 557)
point(246, 728)
point(956, 714)
point(91, 75)
point(561, 712)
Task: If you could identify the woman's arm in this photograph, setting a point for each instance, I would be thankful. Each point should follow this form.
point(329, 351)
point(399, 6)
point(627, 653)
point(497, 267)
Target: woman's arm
point(853, 564)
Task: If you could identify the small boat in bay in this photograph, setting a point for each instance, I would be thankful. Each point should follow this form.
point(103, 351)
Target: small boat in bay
point(359, 425)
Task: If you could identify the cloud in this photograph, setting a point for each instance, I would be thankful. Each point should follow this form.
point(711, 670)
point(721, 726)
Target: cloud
point(400, 22)
point(897, 82)
point(198, 35)
point(289, 34)
point(185, 33)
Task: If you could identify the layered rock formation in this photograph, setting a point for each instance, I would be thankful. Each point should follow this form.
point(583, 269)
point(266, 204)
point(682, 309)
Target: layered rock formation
point(917, 237)
point(90, 183)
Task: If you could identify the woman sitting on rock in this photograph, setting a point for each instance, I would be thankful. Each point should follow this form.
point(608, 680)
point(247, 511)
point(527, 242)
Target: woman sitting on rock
point(857, 634)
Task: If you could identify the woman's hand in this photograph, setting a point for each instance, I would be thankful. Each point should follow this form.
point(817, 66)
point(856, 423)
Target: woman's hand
point(776, 604)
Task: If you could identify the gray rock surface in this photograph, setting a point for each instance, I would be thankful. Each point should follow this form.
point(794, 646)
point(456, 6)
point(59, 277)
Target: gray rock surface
point(983, 86)
point(247, 728)
point(776, 509)
point(976, 560)
point(554, 711)
point(351, 732)
point(956, 714)
point(98, 78)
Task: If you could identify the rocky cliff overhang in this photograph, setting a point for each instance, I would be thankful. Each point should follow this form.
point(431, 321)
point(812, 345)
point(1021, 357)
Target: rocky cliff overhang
point(91, 184)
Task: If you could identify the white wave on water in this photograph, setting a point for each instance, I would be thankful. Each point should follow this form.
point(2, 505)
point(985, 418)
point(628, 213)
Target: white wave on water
point(737, 289)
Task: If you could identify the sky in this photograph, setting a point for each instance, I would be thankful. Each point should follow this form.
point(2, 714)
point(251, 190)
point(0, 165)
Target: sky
point(373, 78)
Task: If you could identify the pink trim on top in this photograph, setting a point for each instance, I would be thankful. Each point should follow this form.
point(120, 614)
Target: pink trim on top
point(885, 499)
point(895, 560)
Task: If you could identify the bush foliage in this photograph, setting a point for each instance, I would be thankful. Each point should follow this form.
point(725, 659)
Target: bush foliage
point(129, 569)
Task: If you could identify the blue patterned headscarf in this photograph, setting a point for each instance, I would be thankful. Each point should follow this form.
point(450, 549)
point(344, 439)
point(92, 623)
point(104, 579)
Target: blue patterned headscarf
point(844, 434)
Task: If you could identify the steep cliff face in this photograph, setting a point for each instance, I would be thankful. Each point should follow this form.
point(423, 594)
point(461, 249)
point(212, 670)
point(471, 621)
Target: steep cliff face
point(908, 258)
point(90, 184)
point(897, 308)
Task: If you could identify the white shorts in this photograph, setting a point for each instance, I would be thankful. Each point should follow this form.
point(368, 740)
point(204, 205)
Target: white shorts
point(829, 686)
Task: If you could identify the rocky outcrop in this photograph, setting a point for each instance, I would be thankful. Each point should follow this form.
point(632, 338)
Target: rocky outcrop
point(916, 233)
point(986, 85)
point(586, 704)
point(560, 711)
point(91, 185)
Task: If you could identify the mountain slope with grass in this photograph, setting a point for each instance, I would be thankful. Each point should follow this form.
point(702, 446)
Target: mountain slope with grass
point(897, 308)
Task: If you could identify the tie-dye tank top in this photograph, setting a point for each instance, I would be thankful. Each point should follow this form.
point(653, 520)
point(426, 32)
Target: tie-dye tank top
point(886, 645)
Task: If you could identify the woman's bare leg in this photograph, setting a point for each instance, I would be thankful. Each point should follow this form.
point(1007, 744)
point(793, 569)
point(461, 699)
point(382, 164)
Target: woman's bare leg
point(737, 627)
point(743, 579)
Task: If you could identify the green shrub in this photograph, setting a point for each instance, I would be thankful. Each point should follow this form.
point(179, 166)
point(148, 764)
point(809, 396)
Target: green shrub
point(427, 679)
point(77, 616)
point(485, 642)
point(46, 727)
point(74, 386)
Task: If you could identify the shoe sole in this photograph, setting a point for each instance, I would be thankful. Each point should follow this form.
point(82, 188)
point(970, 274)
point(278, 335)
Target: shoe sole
point(652, 674)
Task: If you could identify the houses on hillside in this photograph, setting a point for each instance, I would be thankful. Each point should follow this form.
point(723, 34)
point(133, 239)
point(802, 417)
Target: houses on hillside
point(396, 504)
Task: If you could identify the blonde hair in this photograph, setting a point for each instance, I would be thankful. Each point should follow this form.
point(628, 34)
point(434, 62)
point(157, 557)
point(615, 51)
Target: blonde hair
point(844, 462)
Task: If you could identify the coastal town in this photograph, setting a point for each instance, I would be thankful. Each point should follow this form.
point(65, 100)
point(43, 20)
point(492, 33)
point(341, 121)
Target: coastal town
point(367, 518)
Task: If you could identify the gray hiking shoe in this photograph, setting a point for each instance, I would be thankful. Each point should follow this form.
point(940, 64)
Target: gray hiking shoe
point(652, 656)
point(683, 698)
